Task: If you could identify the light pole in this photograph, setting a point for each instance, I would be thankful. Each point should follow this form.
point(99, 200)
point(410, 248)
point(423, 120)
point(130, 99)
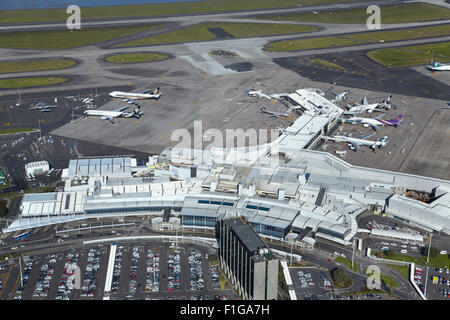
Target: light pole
point(428, 259)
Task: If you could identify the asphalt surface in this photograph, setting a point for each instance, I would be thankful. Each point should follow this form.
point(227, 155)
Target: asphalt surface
point(362, 72)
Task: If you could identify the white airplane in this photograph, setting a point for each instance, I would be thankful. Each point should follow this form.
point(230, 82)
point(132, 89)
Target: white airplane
point(365, 106)
point(43, 107)
point(355, 143)
point(375, 122)
point(110, 115)
point(131, 96)
point(258, 93)
point(338, 97)
point(436, 66)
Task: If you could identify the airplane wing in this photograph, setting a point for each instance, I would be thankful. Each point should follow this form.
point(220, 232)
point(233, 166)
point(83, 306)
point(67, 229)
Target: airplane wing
point(121, 109)
point(111, 119)
point(355, 145)
point(367, 136)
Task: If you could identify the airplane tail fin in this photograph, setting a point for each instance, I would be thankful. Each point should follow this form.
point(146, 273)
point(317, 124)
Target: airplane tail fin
point(397, 120)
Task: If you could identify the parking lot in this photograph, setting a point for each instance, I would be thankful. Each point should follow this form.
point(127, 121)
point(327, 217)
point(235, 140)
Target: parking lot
point(311, 283)
point(156, 271)
point(437, 284)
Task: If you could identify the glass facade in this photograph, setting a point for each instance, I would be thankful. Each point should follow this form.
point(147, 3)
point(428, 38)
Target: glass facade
point(129, 209)
point(268, 230)
point(330, 232)
point(198, 221)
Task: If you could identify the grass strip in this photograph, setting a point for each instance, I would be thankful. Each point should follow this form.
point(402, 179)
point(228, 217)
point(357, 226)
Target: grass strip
point(66, 39)
point(136, 57)
point(160, 9)
point(411, 12)
point(30, 82)
point(35, 65)
point(200, 32)
point(411, 55)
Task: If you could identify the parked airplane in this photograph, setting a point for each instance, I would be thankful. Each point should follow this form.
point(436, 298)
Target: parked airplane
point(355, 143)
point(110, 115)
point(258, 93)
point(275, 113)
point(374, 122)
point(365, 106)
point(131, 96)
point(436, 66)
point(338, 97)
point(43, 107)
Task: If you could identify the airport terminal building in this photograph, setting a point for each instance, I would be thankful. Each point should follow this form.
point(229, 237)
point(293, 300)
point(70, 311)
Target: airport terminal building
point(280, 188)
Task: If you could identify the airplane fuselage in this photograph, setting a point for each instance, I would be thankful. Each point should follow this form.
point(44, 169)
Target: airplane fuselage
point(134, 96)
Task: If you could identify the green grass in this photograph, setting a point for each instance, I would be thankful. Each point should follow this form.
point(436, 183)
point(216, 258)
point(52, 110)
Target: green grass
point(390, 282)
point(411, 55)
point(399, 257)
point(199, 32)
point(161, 9)
point(358, 38)
point(440, 261)
point(66, 39)
point(30, 82)
point(35, 65)
point(404, 34)
point(348, 263)
point(327, 63)
point(310, 43)
point(389, 14)
point(136, 57)
point(16, 130)
point(404, 270)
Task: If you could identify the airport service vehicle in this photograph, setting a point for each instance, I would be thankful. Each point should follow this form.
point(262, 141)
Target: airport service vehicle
point(22, 236)
point(374, 122)
point(143, 95)
point(355, 143)
point(436, 66)
point(110, 115)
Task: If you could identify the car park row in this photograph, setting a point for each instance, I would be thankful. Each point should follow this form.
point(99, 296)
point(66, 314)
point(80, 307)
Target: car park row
point(152, 280)
point(174, 271)
point(25, 275)
point(133, 271)
point(90, 275)
point(195, 267)
point(45, 276)
point(116, 271)
point(65, 287)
